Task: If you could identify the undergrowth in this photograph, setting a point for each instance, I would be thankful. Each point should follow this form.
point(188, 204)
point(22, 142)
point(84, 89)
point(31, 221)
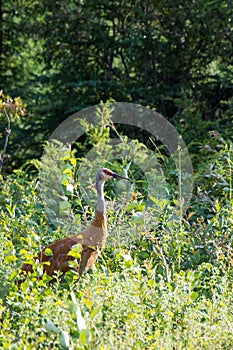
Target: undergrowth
point(164, 280)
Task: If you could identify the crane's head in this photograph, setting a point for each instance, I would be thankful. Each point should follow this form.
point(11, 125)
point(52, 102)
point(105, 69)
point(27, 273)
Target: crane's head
point(106, 174)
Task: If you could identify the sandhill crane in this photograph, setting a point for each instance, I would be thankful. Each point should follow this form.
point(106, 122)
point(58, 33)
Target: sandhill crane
point(91, 240)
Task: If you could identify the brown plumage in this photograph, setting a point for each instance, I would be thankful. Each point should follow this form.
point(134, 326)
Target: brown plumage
point(91, 239)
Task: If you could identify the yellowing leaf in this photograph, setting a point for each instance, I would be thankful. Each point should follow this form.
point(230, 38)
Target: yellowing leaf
point(75, 251)
point(88, 303)
point(48, 252)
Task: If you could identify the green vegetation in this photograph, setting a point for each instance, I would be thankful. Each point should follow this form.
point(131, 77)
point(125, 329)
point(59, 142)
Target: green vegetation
point(164, 281)
point(165, 278)
point(60, 58)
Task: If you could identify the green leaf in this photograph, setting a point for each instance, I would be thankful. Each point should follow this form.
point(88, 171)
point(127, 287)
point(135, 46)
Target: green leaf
point(217, 206)
point(25, 285)
point(69, 189)
point(72, 161)
point(136, 206)
point(143, 255)
point(95, 312)
point(81, 323)
point(194, 296)
point(64, 207)
point(68, 171)
point(84, 336)
point(9, 259)
point(138, 218)
point(150, 283)
point(88, 303)
point(75, 251)
point(50, 327)
point(48, 252)
point(65, 339)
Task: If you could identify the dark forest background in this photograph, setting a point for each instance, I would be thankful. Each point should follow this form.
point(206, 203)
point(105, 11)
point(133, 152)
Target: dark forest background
point(60, 57)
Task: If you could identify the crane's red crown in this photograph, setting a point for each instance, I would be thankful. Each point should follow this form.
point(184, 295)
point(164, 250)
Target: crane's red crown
point(108, 172)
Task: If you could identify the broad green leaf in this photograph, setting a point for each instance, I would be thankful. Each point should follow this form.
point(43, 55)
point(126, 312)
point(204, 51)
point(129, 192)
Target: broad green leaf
point(65, 339)
point(84, 336)
point(50, 326)
point(75, 251)
point(95, 312)
point(194, 296)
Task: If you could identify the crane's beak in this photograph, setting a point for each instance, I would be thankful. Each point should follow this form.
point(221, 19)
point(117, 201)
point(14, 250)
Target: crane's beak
point(116, 176)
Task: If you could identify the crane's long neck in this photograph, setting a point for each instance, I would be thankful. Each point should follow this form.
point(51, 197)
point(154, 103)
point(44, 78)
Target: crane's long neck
point(100, 206)
point(95, 234)
point(100, 217)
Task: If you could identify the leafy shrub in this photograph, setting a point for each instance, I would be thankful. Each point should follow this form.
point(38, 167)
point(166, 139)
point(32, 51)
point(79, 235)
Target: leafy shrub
point(163, 281)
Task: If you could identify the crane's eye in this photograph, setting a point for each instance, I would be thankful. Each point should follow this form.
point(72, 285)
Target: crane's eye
point(108, 172)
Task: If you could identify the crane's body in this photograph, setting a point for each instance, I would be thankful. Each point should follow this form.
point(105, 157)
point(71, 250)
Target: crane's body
point(91, 240)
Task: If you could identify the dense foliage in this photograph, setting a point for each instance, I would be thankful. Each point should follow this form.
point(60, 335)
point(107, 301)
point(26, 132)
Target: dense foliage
point(164, 280)
point(165, 277)
point(61, 57)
